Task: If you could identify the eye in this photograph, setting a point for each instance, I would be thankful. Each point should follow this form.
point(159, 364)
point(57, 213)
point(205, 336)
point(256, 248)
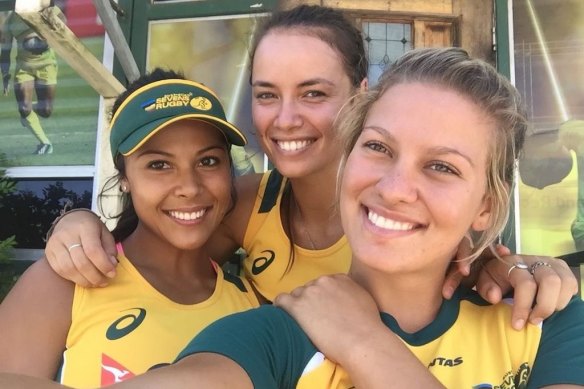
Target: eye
point(378, 147)
point(265, 95)
point(315, 93)
point(209, 161)
point(443, 167)
point(158, 165)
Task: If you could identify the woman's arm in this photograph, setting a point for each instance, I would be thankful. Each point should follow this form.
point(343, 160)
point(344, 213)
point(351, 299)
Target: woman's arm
point(35, 318)
point(94, 262)
point(196, 371)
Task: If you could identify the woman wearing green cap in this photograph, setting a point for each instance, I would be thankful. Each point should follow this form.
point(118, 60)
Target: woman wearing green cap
point(306, 63)
point(170, 143)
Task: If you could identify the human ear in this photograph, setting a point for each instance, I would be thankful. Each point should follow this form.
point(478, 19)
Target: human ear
point(483, 219)
point(124, 185)
point(364, 85)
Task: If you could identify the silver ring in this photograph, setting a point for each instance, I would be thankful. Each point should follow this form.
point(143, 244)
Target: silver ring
point(518, 265)
point(73, 246)
point(537, 264)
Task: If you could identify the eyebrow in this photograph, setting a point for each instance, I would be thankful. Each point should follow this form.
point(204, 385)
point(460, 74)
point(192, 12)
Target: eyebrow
point(309, 82)
point(440, 150)
point(161, 152)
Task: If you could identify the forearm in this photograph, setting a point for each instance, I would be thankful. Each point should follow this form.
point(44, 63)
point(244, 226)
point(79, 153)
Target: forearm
point(8, 380)
point(203, 370)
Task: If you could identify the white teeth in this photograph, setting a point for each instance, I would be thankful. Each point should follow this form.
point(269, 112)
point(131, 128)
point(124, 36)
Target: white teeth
point(187, 215)
point(389, 224)
point(293, 145)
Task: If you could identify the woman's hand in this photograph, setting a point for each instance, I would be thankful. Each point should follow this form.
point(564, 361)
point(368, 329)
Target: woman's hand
point(343, 321)
point(82, 250)
point(536, 296)
point(315, 306)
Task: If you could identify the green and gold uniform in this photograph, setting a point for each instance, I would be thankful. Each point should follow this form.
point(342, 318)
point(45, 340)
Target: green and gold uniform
point(40, 64)
point(268, 247)
point(470, 344)
point(129, 327)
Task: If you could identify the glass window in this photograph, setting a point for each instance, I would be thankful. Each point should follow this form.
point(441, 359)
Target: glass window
point(549, 58)
point(384, 43)
point(28, 212)
point(49, 116)
point(220, 60)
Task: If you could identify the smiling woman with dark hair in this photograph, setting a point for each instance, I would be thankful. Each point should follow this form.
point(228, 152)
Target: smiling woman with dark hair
point(170, 144)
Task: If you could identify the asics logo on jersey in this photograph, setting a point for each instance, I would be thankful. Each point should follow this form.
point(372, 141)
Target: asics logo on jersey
point(125, 324)
point(440, 361)
point(262, 263)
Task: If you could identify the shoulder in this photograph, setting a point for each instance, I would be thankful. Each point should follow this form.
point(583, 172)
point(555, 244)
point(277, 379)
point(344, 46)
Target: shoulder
point(266, 342)
point(562, 340)
point(242, 333)
point(246, 188)
point(36, 315)
point(40, 280)
point(41, 291)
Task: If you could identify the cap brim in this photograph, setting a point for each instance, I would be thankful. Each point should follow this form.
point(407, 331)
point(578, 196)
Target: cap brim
point(142, 134)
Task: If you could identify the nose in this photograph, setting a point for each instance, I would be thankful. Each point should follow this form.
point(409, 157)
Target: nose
point(398, 184)
point(288, 116)
point(188, 183)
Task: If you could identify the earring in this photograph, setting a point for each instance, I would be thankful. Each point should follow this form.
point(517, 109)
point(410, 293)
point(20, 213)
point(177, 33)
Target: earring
point(124, 188)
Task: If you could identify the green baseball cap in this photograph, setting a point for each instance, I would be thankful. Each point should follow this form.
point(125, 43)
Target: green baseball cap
point(158, 104)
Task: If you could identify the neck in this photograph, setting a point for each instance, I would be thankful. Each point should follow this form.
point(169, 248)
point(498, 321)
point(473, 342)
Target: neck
point(184, 276)
point(412, 299)
point(312, 209)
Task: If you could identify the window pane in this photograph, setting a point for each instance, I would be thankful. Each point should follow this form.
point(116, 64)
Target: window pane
point(385, 42)
point(63, 109)
point(220, 60)
point(29, 211)
point(548, 73)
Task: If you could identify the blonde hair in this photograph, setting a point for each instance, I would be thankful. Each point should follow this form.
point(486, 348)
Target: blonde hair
point(482, 84)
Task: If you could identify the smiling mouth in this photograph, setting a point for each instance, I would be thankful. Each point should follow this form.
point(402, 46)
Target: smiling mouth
point(389, 224)
point(294, 145)
point(187, 216)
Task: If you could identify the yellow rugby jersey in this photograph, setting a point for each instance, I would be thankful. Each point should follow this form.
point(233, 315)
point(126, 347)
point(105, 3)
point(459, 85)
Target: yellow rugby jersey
point(470, 345)
point(268, 247)
point(129, 327)
point(15, 27)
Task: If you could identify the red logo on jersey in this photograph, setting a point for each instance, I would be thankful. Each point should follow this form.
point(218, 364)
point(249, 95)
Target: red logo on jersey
point(113, 372)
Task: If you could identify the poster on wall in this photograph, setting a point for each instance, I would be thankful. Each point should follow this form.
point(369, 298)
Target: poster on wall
point(215, 52)
point(48, 114)
point(549, 58)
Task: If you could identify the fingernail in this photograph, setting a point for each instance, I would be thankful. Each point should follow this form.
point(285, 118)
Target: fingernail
point(536, 321)
point(518, 324)
point(114, 260)
point(449, 291)
point(111, 274)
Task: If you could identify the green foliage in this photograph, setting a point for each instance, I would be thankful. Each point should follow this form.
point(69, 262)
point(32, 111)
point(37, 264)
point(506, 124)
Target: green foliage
point(7, 276)
point(39, 211)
